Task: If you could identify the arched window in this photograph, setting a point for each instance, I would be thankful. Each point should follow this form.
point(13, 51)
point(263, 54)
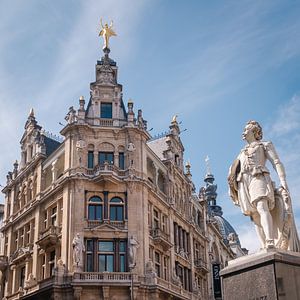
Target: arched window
point(116, 209)
point(95, 208)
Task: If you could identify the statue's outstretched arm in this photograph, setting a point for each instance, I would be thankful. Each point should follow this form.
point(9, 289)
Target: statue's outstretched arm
point(276, 163)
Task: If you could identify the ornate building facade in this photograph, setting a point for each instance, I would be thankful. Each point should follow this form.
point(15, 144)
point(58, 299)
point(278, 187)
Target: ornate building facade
point(107, 212)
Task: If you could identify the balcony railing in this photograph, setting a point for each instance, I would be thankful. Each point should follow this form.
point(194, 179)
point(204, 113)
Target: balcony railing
point(201, 265)
point(105, 168)
point(94, 277)
point(161, 237)
point(106, 122)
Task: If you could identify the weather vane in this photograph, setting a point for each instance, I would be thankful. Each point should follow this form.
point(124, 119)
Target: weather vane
point(106, 32)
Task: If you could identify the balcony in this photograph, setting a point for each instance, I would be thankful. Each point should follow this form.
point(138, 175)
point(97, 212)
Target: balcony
point(160, 237)
point(115, 278)
point(176, 290)
point(105, 168)
point(48, 237)
point(201, 266)
point(21, 253)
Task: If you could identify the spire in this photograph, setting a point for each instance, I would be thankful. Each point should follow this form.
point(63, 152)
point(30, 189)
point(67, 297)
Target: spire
point(31, 121)
point(31, 113)
point(209, 191)
point(174, 127)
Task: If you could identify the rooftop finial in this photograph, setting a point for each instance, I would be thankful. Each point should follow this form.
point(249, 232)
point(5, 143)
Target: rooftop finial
point(106, 32)
point(174, 119)
point(207, 162)
point(31, 113)
point(188, 167)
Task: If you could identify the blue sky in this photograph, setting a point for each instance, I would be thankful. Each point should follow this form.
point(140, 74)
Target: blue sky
point(216, 64)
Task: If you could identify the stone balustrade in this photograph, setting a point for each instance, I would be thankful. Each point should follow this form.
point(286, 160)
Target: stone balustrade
point(104, 168)
point(104, 277)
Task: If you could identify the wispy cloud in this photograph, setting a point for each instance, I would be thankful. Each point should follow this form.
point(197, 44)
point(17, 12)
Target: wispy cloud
point(284, 131)
point(248, 238)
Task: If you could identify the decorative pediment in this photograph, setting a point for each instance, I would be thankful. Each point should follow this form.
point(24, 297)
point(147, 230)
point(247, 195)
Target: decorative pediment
point(108, 226)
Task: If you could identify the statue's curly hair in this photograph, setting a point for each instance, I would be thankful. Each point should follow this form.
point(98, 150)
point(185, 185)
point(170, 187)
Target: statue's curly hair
point(257, 130)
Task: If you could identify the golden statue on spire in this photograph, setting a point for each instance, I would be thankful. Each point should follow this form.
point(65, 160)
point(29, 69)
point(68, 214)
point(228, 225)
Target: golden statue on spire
point(106, 32)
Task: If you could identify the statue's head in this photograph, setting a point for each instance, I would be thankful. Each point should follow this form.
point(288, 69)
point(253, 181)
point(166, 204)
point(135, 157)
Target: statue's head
point(254, 128)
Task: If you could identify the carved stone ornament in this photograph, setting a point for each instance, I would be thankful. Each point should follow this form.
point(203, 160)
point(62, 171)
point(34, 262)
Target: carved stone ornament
point(106, 75)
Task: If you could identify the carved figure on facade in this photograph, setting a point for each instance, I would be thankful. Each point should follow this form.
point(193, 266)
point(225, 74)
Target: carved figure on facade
point(175, 278)
point(232, 238)
point(78, 249)
point(31, 281)
point(133, 245)
point(80, 145)
point(71, 116)
point(252, 189)
point(106, 74)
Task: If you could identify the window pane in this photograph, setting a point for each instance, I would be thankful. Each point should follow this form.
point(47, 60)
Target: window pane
point(89, 245)
point(106, 246)
point(89, 263)
point(122, 263)
point(101, 263)
point(122, 246)
point(110, 263)
point(91, 212)
point(119, 213)
point(101, 158)
point(106, 110)
point(95, 199)
point(116, 200)
point(121, 161)
point(157, 258)
point(112, 213)
point(90, 159)
point(98, 212)
point(110, 158)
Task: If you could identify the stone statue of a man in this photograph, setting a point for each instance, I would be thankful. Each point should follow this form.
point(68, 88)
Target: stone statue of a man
point(251, 188)
point(78, 249)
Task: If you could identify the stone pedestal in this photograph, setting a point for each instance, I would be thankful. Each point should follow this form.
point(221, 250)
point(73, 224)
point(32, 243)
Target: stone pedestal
point(266, 275)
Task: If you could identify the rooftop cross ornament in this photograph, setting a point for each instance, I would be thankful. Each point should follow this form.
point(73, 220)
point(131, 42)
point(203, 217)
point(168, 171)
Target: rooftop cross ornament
point(106, 32)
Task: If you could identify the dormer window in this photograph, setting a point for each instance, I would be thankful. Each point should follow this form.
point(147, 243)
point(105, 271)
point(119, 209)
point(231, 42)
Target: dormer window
point(106, 110)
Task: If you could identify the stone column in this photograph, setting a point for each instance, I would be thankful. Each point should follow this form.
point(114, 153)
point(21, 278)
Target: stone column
point(26, 268)
point(77, 293)
point(34, 236)
point(105, 290)
point(116, 159)
point(95, 158)
point(14, 278)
